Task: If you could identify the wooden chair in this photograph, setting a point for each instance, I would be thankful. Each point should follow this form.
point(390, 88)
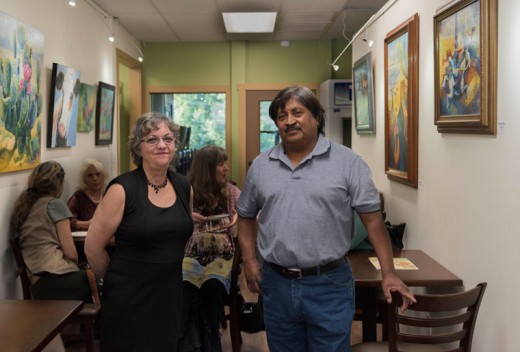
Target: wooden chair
point(449, 318)
point(88, 315)
point(233, 302)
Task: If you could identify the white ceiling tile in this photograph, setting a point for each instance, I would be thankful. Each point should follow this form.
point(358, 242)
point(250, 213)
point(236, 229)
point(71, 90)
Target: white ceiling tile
point(201, 20)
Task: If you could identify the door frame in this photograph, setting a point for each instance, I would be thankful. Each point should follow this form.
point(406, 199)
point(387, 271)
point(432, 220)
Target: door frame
point(242, 121)
point(136, 102)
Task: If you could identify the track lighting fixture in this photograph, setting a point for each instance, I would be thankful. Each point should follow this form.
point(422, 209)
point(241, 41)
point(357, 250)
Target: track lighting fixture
point(72, 3)
point(140, 58)
point(371, 20)
point(366, 40)
point(335, 67)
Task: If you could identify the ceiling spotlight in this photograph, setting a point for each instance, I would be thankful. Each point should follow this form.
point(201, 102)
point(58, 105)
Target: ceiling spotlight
point(335, 67)
point(72, 3)
point(112, 38)
point(140, 58)
point(368, 41)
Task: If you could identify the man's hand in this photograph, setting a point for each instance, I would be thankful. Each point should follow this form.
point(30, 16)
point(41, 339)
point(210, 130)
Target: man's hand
point(392, 283)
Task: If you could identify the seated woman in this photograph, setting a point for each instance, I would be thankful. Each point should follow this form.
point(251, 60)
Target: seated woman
point(83, 203)
point(209, 252)
point(42, 221)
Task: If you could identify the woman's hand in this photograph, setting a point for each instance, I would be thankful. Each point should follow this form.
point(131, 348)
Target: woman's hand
point(198, 217)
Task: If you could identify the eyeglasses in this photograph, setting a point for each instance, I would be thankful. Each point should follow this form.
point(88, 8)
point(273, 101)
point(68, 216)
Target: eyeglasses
point(155, 140)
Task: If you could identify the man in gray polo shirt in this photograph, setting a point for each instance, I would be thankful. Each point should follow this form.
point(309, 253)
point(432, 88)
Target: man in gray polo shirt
point(302, 193)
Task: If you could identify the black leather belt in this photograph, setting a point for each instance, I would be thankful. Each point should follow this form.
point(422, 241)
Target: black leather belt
point(298, 273)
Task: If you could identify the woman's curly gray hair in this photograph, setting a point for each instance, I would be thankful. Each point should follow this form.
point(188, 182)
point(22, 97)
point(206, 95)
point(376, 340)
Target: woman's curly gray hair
point(148, 122)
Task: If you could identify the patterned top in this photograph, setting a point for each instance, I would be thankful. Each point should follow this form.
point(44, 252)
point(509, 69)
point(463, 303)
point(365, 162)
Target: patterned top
point(210, 249)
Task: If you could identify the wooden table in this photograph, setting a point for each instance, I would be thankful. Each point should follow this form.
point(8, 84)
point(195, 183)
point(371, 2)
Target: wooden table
point(31, 325)
point(79, 242)
point(368, 280)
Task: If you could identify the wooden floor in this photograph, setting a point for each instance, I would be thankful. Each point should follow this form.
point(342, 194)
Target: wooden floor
point(250, 342)
point(258, 342)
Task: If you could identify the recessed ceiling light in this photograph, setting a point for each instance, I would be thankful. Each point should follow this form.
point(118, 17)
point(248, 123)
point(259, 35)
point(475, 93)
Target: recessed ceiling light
point(249, 22)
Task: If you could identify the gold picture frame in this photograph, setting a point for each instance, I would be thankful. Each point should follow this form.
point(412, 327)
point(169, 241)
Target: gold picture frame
point(401, 102)
point(465, 41)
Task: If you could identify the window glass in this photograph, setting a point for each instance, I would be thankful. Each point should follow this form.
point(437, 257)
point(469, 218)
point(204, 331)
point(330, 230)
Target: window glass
point(268, 132)
point(204, 113)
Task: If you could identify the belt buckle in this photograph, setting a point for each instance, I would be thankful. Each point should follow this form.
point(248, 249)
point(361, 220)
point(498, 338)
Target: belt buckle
point(294, 271)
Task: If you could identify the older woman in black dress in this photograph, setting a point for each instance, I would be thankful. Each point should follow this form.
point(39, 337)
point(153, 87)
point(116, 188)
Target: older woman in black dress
point(148, 210)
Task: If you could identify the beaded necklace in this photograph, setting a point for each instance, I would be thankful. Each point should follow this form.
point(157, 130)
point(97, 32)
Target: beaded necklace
point(156, 188)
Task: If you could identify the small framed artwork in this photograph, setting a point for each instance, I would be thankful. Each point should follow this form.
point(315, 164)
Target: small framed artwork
point(106, 94)
point(401, 102)
point(63, 107)
point(465, 41)
point(87, 107)
point(364, 95)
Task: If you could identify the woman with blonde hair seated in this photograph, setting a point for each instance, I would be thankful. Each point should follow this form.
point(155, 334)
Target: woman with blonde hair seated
point(83, 203)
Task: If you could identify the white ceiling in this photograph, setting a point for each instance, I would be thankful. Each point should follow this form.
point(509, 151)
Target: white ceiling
point(201, 20)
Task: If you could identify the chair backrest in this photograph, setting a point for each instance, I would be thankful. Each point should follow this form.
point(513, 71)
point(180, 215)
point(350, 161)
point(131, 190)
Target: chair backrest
point(455, 313)
point(21, 268)
point(234, 300)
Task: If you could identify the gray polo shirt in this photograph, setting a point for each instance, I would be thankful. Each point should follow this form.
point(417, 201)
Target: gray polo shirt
point(305, 213)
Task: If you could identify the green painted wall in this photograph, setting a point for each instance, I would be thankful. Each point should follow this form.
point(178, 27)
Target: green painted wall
point(344, 62)
point(187, 64)
point(234, 63)
point(302, 61)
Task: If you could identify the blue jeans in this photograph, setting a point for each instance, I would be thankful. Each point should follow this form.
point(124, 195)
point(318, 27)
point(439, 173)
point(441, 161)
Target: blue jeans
point(312, 314)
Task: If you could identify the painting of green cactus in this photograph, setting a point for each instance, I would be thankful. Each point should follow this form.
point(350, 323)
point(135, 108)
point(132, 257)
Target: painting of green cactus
point(21, 65)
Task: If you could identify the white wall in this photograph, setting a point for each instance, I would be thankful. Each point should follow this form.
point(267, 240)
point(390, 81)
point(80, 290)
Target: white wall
point(464, 212)
point(76, 37)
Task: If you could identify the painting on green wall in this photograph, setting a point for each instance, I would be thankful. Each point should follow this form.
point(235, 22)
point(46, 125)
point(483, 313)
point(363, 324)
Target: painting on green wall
point(21, 61)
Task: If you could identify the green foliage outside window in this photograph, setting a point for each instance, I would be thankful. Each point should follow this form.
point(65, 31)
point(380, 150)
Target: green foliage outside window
point(205, 113)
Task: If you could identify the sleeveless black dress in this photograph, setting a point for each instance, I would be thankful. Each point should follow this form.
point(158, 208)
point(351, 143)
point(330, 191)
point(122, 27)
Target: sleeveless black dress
point(142, 288)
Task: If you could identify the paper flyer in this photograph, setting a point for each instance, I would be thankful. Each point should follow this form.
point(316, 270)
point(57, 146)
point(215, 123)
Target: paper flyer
point(399, 264)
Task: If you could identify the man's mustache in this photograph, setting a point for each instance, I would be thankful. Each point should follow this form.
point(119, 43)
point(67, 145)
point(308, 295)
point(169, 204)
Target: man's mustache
point(290, 128)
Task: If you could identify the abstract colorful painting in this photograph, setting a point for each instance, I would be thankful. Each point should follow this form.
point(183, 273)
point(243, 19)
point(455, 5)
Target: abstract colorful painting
point(63, 107)
point(87, 107)
point(401, 102)
point(459, 41)
point(465, 42)
point(21, 64)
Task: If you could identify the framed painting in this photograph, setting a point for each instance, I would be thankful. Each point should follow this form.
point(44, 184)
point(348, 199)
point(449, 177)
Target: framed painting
point(106, 95)
point(63, 107)
point(401, 102)
point(465, 41)
point(21, 65)
point(87, 107)
point(364, 95)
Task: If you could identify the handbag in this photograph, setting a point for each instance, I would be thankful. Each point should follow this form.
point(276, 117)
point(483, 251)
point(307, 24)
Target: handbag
point(251, 316)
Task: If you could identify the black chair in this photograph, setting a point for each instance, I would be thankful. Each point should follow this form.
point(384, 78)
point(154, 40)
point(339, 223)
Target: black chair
point(445, 324)
point(88, 315)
